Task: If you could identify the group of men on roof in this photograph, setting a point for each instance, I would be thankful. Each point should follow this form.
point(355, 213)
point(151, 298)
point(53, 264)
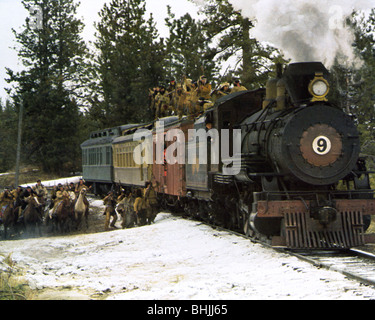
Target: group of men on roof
point(190, 98)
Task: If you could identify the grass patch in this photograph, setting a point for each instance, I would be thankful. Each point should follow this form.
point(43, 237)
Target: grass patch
point(12, 287)
point(28, 175)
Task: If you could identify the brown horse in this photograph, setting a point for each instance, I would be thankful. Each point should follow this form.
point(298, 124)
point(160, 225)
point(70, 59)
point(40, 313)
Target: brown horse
point(32, 216)
point(63, 215)
point(126, 210)
point(8, 219)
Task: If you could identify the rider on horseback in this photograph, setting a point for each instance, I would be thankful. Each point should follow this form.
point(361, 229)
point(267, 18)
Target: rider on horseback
point(24, 198)
point(41, 192)
point(6, 199)
point(60, 195)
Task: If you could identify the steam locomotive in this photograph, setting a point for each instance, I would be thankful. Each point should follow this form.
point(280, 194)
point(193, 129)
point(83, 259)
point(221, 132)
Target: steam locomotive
point(300, 182)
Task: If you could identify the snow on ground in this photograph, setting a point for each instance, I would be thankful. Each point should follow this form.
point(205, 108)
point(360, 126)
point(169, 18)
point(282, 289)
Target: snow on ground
point(52, 183)
point(173, 259)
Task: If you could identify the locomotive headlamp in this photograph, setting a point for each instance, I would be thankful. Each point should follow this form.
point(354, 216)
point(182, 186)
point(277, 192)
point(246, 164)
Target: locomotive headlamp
point(319, 88)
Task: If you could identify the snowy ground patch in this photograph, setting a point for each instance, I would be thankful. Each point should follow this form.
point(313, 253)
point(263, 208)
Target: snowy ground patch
point(53, 183)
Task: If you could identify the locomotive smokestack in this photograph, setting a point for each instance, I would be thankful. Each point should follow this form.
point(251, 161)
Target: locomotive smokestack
point(281, 95)
point(279, 70)
point(272, 87)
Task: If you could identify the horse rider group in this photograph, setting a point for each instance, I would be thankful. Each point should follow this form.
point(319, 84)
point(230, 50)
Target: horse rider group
point(68, 192)
point(19, 197)
point(190, 98)
point(140, 207)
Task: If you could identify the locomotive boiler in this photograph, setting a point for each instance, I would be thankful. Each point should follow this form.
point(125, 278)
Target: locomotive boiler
point(299, 135)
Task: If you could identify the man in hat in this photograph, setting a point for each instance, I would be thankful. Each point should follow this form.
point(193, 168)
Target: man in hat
point(222, 91)
point(41, 192)
point(237, 86)
point(204, 88)
point(110, 205)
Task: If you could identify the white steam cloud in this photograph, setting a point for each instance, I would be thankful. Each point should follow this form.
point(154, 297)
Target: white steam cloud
point(305, 30)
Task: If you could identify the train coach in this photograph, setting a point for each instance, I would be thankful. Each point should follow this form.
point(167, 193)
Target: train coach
point(126, 172)
point(97, 158)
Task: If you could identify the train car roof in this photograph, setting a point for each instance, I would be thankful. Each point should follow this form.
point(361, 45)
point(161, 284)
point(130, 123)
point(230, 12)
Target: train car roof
point(128, 126)
point(167, 121)
point(121, 139)
point(106, 136)
point(240, 97)
point(127, 135)
point(170, 121)
point(98, 141)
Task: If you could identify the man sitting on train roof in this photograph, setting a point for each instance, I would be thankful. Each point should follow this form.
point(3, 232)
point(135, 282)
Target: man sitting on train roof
point(204, 88)
point(220, 92)
point(190, 98)
point(173, 91)
point(237, 86)
point(162, 102)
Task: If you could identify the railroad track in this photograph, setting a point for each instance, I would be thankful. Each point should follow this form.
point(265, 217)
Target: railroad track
point(355, 264)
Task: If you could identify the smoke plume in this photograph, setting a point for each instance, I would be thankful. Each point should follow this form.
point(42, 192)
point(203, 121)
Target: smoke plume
point(305, 30)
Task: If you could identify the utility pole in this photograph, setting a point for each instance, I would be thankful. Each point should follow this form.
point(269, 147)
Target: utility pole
point(20, 118)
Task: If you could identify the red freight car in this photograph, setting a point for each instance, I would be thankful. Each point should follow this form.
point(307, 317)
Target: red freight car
point(169, 177)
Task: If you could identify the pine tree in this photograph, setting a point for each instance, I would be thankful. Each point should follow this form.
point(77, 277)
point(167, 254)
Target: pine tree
point(8, 136)
point(363, 97)
point(129, 61)
point(229, 33)
point(353, 86)
point(188, 51)
point(53, 55)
